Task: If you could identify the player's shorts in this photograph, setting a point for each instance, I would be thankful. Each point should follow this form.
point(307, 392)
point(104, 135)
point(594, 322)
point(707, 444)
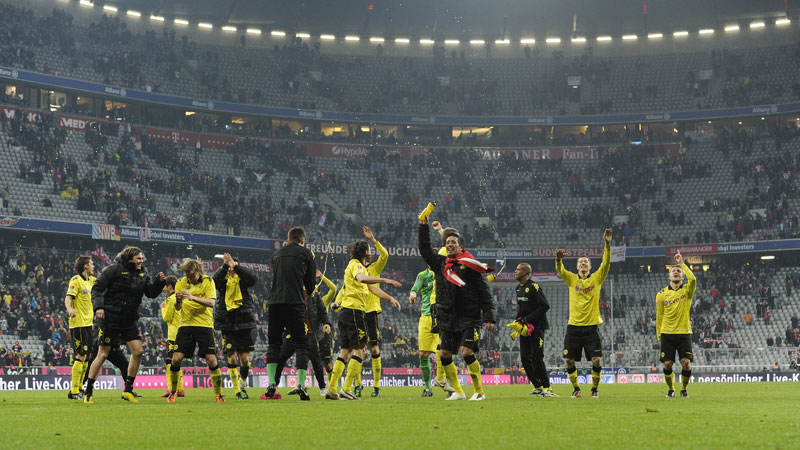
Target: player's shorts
point(201, 337)
point(453, 340)
point(81, 340)
point(171, 348)
point(676, 343)
point(326, 347)
point(238, 341)
point(108, 335)
point(373, 333)
point(352, 329)
point(427, 339)
point(582, 339)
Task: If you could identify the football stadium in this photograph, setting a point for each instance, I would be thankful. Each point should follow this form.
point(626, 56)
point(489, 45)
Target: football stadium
point(399, 224)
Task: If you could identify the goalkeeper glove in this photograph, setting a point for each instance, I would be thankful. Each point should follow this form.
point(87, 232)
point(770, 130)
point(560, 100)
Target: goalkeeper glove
point(516, 328)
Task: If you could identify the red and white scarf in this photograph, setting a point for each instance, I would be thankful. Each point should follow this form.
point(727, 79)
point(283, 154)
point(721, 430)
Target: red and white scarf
point(464, 258)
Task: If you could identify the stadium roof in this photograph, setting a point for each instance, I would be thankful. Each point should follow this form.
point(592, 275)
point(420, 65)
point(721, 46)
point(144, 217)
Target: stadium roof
point(490, 18)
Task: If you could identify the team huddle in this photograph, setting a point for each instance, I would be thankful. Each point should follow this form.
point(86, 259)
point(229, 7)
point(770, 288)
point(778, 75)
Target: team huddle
point(455, 304)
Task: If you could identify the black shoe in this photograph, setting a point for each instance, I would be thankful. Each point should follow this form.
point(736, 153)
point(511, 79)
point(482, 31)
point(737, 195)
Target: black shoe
point(670, 394)
point(136, 394)
point(427, 393)
point(357, 391)
point(536, 392)
point(294, 391)
point(301, 391)
point(376, 392)
point(684, 393)
point(72, 396)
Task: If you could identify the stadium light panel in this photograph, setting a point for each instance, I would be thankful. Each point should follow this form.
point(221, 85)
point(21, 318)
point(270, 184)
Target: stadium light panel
point(277, 33)
point(655, 36)
point(680, 34)
point(630, 37)
point(426, 41)
point(603, 38)
point(578, 40)
point(706, 31)
point(731, 28)
point(110, 8)
point(783, 22)
point(327, 37)
point(87, 3)
point(254, 30)
point(376, 39)
point(756, 25)
point(527, 41)
point(352, 38)
point(502, 41)
point(205, 25)
point(229, 28)
point(181, 22)
point(452, 41)
point(477, 42)
point(768, 257)
point(303, 35)
point(134, 13)
point(402, 40)
point(553, 40)
point(157, 18)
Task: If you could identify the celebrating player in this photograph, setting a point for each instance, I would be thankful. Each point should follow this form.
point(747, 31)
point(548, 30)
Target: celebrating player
point(173, 320)
point(79, 308)
point(673, 325)
point(196, 295)
point(584, 314)
point(372, 315)
point(352, 326)
point(116, 297)
point(532, 310)
point(236, 318)
point(463, 302)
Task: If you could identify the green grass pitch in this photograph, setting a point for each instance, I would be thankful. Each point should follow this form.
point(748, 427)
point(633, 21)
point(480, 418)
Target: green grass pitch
point(734, 415)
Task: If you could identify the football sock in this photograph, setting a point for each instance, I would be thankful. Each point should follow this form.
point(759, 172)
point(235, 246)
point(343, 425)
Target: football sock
point(425, 367)
point(572, 374)
point(233, 373)
point(216, 380)
point(686, 375)
point(338, 370)
point(450, 370)
point(244, 371)
point(376, 370)
point(353, 371)
point(89, 386)
point(669, 377)
point(474, 373)
point(596, 371)
point(129, 383)
point(77, 376)
point(271, 369)
point(301, 377)
point(173, 374)
point(166, 372)
point(440, 375)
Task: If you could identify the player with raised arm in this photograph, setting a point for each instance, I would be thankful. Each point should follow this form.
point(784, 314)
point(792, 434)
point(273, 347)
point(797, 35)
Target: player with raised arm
point(372, 315)
point(235, 317)
point(674, 325)
point(583, 335)
point(463, 303)
point(358, 284)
